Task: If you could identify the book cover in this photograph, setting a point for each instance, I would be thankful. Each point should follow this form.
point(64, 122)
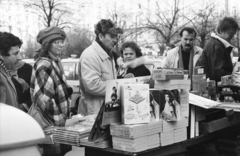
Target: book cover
point(170, 108)
point(135, 103)
point(112, 111)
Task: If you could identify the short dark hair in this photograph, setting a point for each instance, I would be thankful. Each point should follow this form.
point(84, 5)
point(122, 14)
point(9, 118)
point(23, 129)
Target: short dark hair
point(8, 40)
point(226, 24)
point(171, 45)
point(103, 26)
point(190, 30)
point(134, 46)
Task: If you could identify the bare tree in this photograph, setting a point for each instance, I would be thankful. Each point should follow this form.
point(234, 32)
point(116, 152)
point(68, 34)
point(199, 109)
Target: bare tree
point(121, 18)
point(204, 23)
point(77, 41)
point(30, 48)
point(167, 22)
point(52, 12)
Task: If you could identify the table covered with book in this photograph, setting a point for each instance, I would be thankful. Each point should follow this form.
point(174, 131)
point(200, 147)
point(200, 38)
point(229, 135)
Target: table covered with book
point(153, 115)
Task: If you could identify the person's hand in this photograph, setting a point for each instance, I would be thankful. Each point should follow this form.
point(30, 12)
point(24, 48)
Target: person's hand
point(24, 84)
point(129, 75)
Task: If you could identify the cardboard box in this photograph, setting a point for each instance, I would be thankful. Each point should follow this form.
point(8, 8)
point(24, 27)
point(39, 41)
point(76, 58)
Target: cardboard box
point(167, 74)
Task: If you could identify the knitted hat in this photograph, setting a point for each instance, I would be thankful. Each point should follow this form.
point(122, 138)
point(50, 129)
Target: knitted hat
point(50, 33)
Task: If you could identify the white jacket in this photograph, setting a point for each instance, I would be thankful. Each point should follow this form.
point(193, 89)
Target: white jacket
point(171, 61)
point(95, 67)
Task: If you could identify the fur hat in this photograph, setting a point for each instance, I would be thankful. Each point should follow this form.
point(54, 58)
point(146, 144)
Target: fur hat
point(50, 33)
point(107, 26)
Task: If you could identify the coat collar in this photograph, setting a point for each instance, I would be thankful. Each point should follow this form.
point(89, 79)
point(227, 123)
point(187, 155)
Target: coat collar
point(8, 78)
point(102, 53)
point(224, 42)
point(196, 50)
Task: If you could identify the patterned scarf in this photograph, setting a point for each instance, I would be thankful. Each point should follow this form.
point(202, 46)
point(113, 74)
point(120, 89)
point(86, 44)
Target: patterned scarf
point(4, 67)
point(58, 62)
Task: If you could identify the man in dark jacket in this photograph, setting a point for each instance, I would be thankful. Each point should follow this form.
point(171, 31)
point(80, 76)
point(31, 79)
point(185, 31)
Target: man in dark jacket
point(9, 49)
point(216, 56)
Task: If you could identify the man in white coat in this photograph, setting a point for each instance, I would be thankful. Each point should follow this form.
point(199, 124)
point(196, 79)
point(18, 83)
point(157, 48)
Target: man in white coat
point(186, 55)
point(96, 65)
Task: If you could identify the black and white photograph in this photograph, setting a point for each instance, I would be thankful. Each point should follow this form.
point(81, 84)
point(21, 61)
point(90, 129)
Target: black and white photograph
point(65, 61)
point(170, 105)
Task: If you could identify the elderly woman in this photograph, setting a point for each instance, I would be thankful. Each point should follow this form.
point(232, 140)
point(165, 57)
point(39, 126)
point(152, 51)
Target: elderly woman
point(131, 54)
point(49, 89)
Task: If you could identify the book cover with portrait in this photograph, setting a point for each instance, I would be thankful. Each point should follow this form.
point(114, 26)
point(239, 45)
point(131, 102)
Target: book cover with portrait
point(112, 111)
point(169, 102)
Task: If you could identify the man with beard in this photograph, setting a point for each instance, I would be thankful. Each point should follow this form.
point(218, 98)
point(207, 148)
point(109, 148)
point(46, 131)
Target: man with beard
point(216, 57)
point(186, 56)
point(96, 65)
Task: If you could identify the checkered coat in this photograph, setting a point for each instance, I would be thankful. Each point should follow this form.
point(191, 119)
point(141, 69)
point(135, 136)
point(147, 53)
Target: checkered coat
point(48, 92)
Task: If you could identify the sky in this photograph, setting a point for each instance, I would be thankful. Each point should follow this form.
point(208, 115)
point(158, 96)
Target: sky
point(86, 13)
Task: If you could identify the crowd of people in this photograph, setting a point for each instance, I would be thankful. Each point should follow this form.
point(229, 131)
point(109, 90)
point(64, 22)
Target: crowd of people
point(44, 85)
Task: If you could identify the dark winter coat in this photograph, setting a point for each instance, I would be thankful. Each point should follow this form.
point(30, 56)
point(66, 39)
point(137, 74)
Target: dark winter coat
point(216, 58)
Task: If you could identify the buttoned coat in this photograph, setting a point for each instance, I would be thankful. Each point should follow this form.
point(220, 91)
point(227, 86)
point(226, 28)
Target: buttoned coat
point(95, 67)
point(8, 93)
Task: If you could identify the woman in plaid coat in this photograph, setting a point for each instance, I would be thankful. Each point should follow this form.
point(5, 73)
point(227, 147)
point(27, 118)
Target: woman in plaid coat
point(49, 89)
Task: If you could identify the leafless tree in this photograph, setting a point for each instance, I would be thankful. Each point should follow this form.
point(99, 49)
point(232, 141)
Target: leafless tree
point(30, 48)
point(121, 18)
point(166, 23)
point(52, 12)
point(205, 23)
point(77, 41)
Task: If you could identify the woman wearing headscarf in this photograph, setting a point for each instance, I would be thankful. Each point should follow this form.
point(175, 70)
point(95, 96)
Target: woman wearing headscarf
point(49, 89)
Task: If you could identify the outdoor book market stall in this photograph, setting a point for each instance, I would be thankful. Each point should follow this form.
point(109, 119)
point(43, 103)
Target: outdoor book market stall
point(156, 115)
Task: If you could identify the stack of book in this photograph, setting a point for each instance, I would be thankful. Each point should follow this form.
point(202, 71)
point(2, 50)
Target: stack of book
point(70, 135)
point(75, 130)
point(130, 145)
point(174, 132)
point(137, 137)
point(167, 138)
point(199, 84)
point(172, 95)
point(167, 74)
point(102, 144)
point(172, 84)
point(154, 127)
point(180, 134)
point(184, 101)
point(129, 131)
